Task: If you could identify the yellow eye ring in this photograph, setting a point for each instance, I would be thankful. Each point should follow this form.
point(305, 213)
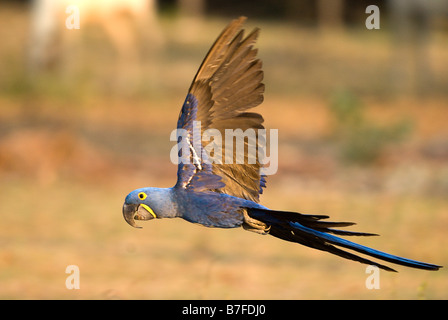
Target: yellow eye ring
point(142, 196)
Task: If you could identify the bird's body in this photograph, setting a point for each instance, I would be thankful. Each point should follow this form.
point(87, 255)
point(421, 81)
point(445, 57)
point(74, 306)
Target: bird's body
point(210, 209)
point(226, 195)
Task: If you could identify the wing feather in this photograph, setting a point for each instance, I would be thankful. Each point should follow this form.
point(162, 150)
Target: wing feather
point(227, 84)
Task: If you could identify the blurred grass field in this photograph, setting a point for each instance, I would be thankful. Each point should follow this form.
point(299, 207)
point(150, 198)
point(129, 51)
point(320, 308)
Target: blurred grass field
point(72, 148)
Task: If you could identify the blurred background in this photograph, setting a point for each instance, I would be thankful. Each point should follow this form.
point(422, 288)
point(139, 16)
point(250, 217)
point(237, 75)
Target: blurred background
point(86, 114)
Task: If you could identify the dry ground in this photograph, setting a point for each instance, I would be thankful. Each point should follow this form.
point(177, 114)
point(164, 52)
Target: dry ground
point(70, 150)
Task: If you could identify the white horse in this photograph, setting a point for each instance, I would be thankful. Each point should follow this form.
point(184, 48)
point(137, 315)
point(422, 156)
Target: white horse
point(128, 24)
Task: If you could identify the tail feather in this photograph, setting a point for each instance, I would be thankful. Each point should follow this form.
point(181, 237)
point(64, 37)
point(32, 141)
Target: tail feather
point(314, 222)
point(310, 231)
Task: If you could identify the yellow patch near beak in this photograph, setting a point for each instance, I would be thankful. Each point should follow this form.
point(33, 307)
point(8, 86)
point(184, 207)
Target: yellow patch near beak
point(147, 208)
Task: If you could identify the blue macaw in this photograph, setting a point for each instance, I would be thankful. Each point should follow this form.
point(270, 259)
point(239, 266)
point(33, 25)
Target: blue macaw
point(227, 84)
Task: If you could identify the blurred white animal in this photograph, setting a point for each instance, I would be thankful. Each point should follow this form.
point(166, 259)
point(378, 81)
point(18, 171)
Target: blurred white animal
point(128, 24)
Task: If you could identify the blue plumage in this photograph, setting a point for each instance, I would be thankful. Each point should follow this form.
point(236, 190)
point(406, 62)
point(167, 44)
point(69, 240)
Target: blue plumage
point(227, 84)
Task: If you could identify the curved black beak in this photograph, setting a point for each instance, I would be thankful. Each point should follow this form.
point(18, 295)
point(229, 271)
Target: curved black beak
point(132, 212)
point(129, 212)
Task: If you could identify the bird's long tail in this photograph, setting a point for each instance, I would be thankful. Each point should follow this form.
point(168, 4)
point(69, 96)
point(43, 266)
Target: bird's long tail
point(311, 231)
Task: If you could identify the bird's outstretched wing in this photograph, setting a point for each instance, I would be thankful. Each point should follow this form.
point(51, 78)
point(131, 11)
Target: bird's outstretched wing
point(227, 84)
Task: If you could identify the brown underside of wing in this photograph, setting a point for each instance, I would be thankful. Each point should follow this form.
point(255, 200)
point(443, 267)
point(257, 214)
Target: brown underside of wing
point(227, 84)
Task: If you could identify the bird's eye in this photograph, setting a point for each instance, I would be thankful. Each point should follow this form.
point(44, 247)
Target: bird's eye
point(142, 196)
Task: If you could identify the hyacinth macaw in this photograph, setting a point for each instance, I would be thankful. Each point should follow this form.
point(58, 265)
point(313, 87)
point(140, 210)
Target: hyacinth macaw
point(228, 84)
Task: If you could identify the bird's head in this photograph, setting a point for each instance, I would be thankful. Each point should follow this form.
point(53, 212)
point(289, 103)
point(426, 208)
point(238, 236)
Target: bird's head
point(139, 205)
